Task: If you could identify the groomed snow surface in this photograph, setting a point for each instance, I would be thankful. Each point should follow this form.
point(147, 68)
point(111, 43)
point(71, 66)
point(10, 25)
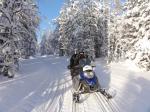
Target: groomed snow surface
point(44, 84)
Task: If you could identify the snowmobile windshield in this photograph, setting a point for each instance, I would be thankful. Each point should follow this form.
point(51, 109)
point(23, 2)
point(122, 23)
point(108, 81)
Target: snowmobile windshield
point(89, 74)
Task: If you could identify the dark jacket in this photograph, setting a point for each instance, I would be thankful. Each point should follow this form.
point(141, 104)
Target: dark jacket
point(74, 60)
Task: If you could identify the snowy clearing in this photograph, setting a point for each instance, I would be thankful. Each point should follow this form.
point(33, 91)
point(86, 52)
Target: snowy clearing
point(44, 84)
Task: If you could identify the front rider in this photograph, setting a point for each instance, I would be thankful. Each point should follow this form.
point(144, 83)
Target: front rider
point(83, 60)
point(73, 63)
point(77, 62)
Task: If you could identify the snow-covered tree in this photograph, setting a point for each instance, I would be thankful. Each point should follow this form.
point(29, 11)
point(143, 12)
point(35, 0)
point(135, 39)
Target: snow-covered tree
point(55, 40)
point(82, 26)
point(130, 34)
point(46, 47)
point(18, 22)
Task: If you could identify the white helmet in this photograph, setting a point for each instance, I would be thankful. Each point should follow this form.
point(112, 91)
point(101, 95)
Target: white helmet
point(88, 71)
point(87, 67)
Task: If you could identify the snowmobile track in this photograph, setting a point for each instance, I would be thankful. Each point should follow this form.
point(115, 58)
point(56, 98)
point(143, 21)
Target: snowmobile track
point(100, 103)
point(30, 103)
point(75, 106)
point(50, 102)
point(15, 79)
point(63, 95)
point(108, 104)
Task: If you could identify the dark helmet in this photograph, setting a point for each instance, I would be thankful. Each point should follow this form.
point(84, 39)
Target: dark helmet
point(81, 54)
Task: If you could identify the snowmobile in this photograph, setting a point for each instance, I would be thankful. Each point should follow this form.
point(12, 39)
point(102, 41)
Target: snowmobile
point(87, 82)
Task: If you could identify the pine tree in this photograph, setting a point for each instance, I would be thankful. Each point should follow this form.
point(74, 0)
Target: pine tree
point(18, 23)
point(129, 34)
point(82, 26)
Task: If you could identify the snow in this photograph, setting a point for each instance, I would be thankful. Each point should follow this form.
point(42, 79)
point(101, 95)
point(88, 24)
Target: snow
point(31, 57)
point(130, 38)
point(43, 84)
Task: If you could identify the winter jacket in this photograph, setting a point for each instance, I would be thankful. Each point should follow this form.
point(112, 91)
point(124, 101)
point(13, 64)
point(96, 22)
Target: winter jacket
point(84, 61)
point(74, 60)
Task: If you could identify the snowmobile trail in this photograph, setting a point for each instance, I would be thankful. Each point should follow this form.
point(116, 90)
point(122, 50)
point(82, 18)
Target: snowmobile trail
point(107, 105)
point(44, 84)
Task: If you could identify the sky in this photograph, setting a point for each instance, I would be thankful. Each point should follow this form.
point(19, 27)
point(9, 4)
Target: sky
point(48, 10)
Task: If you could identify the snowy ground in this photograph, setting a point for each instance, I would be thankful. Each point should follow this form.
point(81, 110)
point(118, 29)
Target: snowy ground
point(44, 85)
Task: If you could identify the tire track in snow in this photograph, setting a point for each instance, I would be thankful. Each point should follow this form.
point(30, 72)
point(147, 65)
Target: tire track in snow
point(67, 103)
point(7, 82)
point(30, 103)
point(89, 107)
point(92, 104)
point(85, 108)
point(66, 97)
point(53, 95)
point(61, 100)
point(101, 103)
point(114, 105)
point(44, 94)
point(75, 106)
point(40, 89)
point(109, 104)
point(56, 102)
point(15, 79)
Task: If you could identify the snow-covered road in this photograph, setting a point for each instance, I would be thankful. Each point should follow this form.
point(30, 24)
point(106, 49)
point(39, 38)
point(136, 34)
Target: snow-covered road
point(44, 85)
